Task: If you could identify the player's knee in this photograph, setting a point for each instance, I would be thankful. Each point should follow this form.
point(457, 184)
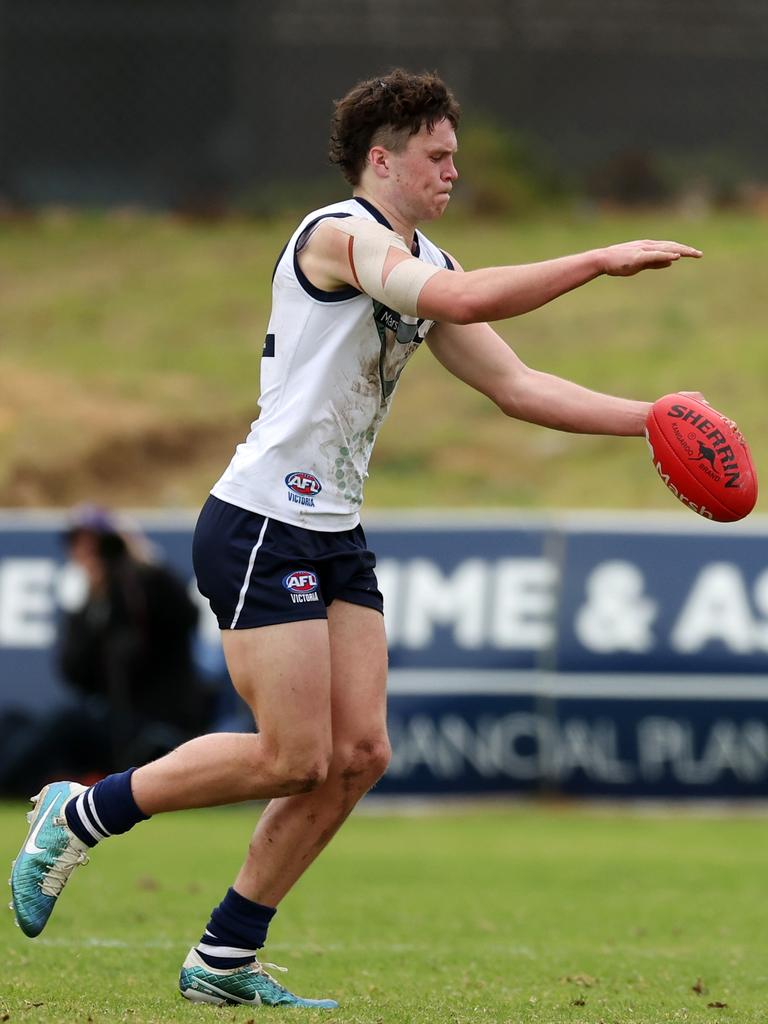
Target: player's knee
point(363, 762)
point(301, 772)
point(379, 755)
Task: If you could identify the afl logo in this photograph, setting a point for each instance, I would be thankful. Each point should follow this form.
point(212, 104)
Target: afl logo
point(301, 581)
point(303, 483)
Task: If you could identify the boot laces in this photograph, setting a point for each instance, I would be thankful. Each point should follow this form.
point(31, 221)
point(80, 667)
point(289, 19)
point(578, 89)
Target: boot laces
point(259, 968)
point(57, 875)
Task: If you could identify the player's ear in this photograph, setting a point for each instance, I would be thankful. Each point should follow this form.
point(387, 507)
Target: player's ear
point(378, 158)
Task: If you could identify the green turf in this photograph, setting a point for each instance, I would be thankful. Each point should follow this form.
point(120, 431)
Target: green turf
point(130, 349)
point(506, 914)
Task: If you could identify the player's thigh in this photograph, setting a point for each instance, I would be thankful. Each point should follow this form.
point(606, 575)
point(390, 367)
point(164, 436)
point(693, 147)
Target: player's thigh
point(283, 673)
point(358, 655)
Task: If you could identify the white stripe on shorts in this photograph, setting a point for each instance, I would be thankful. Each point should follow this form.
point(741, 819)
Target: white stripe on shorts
point(247, 580)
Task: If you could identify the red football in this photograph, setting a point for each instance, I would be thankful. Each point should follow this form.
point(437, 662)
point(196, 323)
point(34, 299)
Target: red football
point(702, 457)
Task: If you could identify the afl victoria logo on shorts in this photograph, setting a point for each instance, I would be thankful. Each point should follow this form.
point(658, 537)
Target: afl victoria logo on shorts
point(302, 585)
point(302, 488)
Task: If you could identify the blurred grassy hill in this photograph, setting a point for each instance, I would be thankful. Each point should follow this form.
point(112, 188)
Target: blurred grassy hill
point(129, 361)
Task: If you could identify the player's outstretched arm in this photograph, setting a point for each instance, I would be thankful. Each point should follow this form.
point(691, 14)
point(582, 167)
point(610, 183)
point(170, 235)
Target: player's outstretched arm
point(496, 293)
point(476, 354)
point(370, 257)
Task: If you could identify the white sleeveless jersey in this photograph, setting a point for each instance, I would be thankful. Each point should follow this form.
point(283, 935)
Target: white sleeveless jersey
point(329, 369)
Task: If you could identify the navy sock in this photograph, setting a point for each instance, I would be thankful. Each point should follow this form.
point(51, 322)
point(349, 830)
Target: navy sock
point(106, 809)
point(238, 927)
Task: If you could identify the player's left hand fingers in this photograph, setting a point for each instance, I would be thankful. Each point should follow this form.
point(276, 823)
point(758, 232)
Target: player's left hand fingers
point(655, 259)
point(676, 247)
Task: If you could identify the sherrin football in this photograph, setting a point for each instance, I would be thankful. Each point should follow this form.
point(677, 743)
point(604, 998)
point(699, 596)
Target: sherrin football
point(702, 457)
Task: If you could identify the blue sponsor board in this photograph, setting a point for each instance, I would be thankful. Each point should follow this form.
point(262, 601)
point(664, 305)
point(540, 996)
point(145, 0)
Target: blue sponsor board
point(663, 602)
point(602, 656)
point(480, 598)
point(484, 743)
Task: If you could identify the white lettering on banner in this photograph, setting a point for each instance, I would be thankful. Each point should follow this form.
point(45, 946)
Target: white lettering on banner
point(71, 589)
point(433, 599)
point(517, 742)
point(26, 602)
point(761, 601)
point(448, 746)
point(523, 746)
point(523, 603)
point(32, 589)
point(445, 748)
point(526, 746)
point(617, 615)
point(509, 604)
point(388, 575)
point(591, 747)
point(667, 745)
point(717, 609)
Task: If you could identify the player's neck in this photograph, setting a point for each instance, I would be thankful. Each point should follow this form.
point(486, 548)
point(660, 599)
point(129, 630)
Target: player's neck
point(397, 222)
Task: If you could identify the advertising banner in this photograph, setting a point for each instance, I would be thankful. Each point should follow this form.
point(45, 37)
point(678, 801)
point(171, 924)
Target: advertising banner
point(570, 655)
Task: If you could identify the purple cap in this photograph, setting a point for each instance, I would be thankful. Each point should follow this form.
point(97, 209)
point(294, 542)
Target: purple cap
point(90, 518)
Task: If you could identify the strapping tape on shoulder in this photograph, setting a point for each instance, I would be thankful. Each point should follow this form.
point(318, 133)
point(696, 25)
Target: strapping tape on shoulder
point(369, 245)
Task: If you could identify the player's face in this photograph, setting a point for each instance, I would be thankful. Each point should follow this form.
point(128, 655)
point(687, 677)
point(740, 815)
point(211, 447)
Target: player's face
point(424, 172)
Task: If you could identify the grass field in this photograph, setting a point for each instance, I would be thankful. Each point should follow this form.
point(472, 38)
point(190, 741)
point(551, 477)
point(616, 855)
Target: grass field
point(507, 914)
point(129, 351)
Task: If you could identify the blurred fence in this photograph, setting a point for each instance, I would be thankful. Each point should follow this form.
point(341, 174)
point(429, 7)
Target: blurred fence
point(191, 103)
point(575, 655)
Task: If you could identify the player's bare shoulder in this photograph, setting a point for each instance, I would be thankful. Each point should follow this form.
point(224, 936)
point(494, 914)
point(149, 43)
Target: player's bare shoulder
point(322, 256)
point(329, 251)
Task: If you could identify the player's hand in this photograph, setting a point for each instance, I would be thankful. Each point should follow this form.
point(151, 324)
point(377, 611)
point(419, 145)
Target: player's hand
point(630, 258)
point(694, 394)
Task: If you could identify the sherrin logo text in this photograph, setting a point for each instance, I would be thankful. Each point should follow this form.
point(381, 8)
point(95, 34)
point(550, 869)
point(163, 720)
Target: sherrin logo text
point(302, 487)
point(302, 585)
point(718, 454)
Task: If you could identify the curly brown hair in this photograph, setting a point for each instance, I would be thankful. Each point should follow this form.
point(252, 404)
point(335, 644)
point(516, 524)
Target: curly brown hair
point(386, 111)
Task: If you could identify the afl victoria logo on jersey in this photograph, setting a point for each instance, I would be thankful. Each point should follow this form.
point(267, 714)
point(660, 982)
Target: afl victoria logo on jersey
point(302, 488)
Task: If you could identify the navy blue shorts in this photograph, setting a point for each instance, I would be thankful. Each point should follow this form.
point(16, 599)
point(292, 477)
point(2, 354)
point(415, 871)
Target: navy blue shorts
point(257, 571)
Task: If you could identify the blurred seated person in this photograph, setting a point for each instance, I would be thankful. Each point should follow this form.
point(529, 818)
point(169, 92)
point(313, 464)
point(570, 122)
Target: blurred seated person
point(125, 650)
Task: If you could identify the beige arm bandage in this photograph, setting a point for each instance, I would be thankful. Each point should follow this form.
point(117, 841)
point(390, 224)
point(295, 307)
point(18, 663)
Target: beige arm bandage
point(369, 245)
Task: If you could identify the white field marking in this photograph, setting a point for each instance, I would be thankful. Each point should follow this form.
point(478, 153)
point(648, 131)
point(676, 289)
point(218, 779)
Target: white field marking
point(393, 948)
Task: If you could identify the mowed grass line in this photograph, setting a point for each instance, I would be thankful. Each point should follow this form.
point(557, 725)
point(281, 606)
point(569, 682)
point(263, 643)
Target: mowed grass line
point(117, 329)
point(505, 914)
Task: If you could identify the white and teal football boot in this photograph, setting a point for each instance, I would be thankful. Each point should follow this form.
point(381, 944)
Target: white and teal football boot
point(250, 985)
point(50, 854)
